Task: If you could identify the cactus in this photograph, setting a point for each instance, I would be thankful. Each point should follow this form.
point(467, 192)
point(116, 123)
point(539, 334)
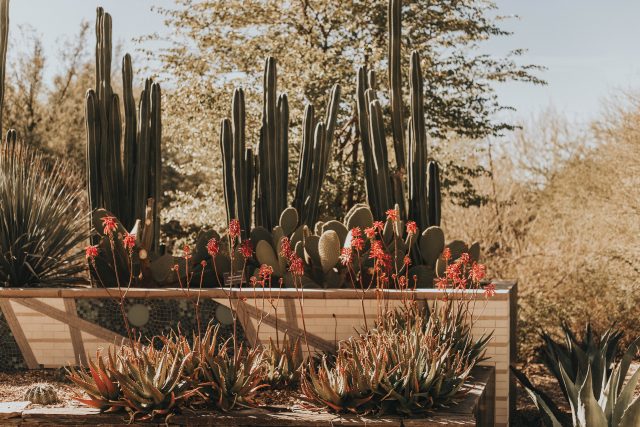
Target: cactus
point(384, 185)
point(4, 40)
point(329, 250)
point(269, 167)
point(123, 170)
point(41, 394)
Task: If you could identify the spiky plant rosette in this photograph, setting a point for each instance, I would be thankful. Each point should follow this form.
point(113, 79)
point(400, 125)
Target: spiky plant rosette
point(42, 221)
point(283, 362)
point(229, 374)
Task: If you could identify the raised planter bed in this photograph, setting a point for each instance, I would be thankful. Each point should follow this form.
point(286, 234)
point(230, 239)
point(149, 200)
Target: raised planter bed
point(475, 409)
point(56, 327)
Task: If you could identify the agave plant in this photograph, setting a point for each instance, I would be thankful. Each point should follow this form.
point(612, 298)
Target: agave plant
point(592, 382)
point(229, 377)
point(99, 383)
point(42, 220)
point(283, 362)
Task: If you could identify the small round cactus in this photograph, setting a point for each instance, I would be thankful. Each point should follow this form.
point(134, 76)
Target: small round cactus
point(41, 394)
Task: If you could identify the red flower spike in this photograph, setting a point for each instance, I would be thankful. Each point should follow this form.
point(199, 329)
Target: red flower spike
point(129, 241)
point(392, 215)
point(234, 228)
point(90, 252)
point(246, 248)
point(213, 247)
point(109, 224)
point(446, 254)
point(412, 228)
point(296, 266)
point(489, 290)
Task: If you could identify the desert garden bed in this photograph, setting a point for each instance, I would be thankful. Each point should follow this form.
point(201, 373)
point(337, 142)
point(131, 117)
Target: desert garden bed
point(475, 408)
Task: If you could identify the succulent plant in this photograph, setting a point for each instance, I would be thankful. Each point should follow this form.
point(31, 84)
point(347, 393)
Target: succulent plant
point(151, 380)
point(343, 387)
point(99, 383)
point(592, 382)
point(123, 177)
point(230, 377)
point(268, 167)
point(385, 187)
point(283, 362)
point(407, 364)
point(42, 224)
point(41, 394)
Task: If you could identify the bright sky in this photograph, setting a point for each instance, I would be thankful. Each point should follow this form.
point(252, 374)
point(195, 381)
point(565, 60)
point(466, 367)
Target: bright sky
point(590, 47)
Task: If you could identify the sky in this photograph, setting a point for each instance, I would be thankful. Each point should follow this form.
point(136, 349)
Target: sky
point(590, 47)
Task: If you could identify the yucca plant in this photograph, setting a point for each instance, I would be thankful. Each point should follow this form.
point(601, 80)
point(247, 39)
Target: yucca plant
point(283, 362)
point(42, 219)
point(592, 382)
point(99, 383)
point(230, 375)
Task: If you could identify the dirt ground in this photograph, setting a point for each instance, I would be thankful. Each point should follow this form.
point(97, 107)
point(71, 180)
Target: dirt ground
point(13, 386)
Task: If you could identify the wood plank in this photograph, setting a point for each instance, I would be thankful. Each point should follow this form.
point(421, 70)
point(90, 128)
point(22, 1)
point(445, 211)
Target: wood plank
point(73, 320)
point(503, 289)
point(76, 335)
point(18, 334)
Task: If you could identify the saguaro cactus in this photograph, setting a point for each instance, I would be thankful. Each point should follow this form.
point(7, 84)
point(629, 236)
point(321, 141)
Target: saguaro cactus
point(123, 171)
point(269, 168)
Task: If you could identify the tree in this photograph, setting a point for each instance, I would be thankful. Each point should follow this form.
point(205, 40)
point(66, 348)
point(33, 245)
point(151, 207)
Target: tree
point(215, 44)
point(47, 115)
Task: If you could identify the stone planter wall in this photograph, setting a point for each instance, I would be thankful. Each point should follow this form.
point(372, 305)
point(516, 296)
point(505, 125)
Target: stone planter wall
point(55, 327)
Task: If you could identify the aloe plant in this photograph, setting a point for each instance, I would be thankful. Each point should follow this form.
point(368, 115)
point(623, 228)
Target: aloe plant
point(409, 363)
point(592, 382)
point(283, 362)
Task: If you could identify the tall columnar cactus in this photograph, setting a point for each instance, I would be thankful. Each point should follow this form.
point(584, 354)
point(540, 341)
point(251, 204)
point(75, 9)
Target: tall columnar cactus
point(4, 40)
point(123, 171)
point(238, 163)
point(385, 187)
point(269, 168)
point(317, 139)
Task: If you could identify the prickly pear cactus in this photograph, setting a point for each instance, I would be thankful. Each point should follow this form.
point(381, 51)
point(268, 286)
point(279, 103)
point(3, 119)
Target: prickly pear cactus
point(41, 394)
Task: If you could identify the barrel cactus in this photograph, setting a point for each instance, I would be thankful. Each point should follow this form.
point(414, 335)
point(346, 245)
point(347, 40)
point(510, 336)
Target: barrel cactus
point(41, 394)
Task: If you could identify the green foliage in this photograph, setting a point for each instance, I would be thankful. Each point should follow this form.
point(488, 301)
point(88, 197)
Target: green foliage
point(41, 219)
point(408, 364)
point(592, 382)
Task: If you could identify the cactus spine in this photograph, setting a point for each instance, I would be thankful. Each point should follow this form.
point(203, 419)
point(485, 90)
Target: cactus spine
point(269, 168)
point(123, 171)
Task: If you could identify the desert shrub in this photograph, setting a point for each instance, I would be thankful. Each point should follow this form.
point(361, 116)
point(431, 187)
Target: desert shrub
point(42, 220)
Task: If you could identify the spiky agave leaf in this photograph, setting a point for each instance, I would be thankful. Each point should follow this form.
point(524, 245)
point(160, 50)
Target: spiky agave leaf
point(42, 219)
